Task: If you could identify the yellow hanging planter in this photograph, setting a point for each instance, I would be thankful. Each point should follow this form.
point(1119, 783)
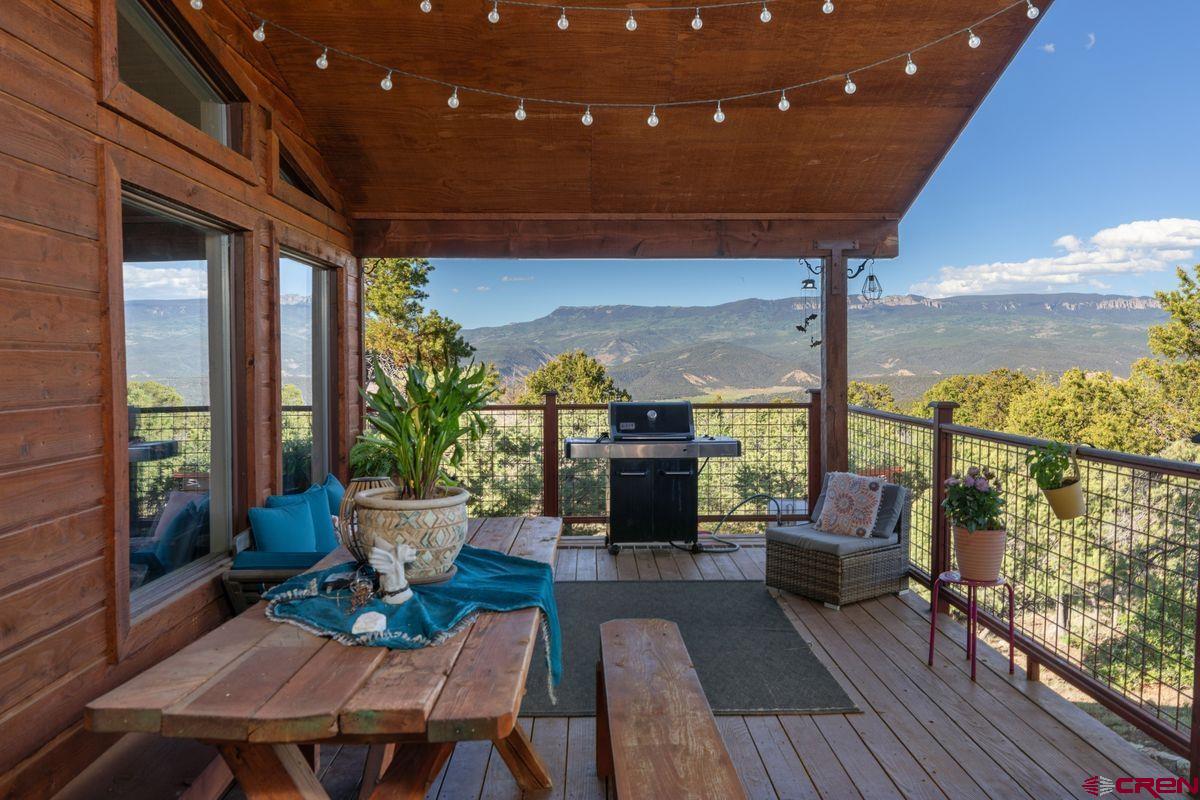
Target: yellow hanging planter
point(1067, 501)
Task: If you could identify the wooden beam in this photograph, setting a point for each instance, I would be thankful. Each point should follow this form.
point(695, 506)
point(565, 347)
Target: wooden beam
point(835, 453)
point(684, 236)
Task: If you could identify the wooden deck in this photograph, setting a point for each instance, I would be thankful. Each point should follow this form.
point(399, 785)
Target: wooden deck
point(923, 733)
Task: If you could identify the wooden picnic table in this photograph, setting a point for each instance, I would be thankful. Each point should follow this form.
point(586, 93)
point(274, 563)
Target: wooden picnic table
point(258, 690)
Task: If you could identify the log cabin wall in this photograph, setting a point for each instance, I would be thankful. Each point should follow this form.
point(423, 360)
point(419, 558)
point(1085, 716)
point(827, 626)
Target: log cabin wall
point(71, 137)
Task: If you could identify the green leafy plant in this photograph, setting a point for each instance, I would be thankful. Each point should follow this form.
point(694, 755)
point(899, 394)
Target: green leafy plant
point(1048, 465)
point(973, 501)
point(418, 431)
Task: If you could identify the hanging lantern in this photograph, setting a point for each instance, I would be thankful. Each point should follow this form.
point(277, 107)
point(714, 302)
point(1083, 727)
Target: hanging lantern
point(872, 289)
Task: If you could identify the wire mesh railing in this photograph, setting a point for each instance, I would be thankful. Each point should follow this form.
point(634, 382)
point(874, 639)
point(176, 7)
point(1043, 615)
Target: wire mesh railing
point(170, 450)
point(503, 471)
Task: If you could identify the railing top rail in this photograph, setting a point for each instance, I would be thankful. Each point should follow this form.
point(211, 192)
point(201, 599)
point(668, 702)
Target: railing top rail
point(922, 422)
point(1183, 469)
point(790, 404)
point(195, 409)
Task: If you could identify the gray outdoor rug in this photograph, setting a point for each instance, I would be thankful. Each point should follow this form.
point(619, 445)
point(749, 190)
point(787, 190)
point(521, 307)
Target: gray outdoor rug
point(749, 657)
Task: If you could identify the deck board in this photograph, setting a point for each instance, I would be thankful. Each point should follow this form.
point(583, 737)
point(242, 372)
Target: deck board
point(923, 735)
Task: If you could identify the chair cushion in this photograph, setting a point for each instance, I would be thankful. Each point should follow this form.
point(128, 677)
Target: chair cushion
point(334, 492)
point(284, 529)
point(255, 559)
point(890, 508)
point(806, 537)
point(317, 501)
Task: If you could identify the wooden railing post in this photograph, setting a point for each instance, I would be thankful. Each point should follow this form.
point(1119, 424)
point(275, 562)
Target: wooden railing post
point(943, 466)
point(815, 472)
point(550, 501)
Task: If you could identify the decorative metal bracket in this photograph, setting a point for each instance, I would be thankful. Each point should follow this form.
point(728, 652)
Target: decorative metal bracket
point(851, 272)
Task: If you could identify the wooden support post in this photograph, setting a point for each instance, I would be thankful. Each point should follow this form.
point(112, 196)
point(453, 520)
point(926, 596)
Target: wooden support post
point(943, 466)
point(550, 500)
point(1194, 733)
point(815, 474)
point(1033, 669)
point(835, 445)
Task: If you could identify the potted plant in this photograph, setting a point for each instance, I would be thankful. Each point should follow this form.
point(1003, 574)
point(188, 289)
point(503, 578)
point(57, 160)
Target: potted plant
point(976, 509)
point(1048, 467)
point(416, 435)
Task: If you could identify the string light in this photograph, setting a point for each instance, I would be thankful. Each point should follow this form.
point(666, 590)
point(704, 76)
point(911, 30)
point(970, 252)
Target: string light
point(765, 16)
point(586, 119)
point(1031, 10)
point(563, 22)
point(198, 5)
point(652, 120)
point(426, 6)
point(910, 67)
point(631, 23)
point(386, 83)
point(697, 23)
point(827, 7)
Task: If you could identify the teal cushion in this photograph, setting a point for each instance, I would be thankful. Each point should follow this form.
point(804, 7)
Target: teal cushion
point(283, 529)
point(334, 491)
point(254, 559)
point(317, 502)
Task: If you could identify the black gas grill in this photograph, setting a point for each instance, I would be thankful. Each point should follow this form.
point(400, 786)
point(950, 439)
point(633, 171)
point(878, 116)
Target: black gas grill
point(654, 461)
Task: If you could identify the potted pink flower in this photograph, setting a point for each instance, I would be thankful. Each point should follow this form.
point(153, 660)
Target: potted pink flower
point(976, 512)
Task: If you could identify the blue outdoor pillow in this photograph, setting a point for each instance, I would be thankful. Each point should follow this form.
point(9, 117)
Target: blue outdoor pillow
point(317, 502)
point(283, 529)
point(334, 491)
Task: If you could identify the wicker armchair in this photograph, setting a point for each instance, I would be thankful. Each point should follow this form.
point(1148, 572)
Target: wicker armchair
point(837, 570)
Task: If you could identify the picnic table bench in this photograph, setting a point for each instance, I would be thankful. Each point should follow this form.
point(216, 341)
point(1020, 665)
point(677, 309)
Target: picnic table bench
point(258, 690)
point(655, 732)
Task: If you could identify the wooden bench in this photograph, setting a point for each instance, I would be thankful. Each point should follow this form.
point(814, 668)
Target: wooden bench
point(655, 733)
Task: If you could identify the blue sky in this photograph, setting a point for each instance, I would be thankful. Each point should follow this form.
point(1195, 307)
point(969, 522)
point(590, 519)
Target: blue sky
point(1080, 172)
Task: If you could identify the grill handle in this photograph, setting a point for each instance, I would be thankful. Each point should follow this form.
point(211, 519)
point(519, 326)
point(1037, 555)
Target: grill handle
point(641, 474)
point(676, 473)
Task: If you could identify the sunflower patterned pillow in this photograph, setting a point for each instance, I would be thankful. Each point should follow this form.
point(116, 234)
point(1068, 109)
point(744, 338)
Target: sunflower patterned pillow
point(851, 504)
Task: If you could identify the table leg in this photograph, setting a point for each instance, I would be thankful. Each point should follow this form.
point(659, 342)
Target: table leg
point(413, 768)
point(604, 758)
point(273, 771)
point(523, 762)
point(379, 757)
point(932, 618)
point(1012, 624)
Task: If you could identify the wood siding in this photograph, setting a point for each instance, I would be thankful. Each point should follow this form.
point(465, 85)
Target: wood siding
point(71, 135)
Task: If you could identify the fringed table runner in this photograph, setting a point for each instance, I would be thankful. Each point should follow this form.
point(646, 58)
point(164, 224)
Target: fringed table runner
point(487, 580)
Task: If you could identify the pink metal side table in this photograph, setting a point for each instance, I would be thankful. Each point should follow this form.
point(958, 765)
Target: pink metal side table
point(972, 614)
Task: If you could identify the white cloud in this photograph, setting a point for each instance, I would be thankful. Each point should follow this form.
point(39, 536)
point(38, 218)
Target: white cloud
point(1048, 47)
point(455, 290)
point(516, 278)
point(483, 288)
point(164, 283)
point(1130, 249)
point(1091, 41)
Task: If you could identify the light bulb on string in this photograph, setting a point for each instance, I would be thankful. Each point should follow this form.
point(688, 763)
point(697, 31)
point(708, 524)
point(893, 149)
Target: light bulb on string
point(827, 7)
point(520, 112)
point(198, 5)
point(910, 67)
point(494, 14)
point(765, 15)
point(719, 115)
point(426, 6)
point(586, 119)
point(697, 23)
point(851, 87)
point(652, 120)
point(784, 103)
point(973, 40)
point(631, 23)
point(1031, 10)
point(563, 22)
point(323, 59)
point(452, 100)
point(386, 83)
point(260, 33)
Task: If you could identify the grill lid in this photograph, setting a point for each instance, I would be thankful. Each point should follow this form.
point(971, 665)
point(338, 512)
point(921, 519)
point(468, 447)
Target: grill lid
point(664, 421)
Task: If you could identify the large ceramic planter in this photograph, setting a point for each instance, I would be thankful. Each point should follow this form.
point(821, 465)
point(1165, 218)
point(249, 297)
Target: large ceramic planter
point(980, 554)
point(348, 519)
point(436, 528)
point(1067, 500)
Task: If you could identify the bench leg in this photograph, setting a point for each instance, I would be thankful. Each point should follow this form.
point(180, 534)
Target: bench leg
point(526, 766)
point(269, 771)
point(604, 760)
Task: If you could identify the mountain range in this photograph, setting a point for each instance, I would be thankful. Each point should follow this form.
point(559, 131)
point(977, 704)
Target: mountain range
point(750, 349)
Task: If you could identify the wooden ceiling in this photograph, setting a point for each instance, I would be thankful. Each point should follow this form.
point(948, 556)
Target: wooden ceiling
point(410, 166)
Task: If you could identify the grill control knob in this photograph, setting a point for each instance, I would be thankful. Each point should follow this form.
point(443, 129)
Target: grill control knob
point(652, 415)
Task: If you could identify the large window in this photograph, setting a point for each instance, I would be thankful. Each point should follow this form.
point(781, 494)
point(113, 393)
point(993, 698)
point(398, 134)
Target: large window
point(177, 353)
point(154, 63)
point(304, 349)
